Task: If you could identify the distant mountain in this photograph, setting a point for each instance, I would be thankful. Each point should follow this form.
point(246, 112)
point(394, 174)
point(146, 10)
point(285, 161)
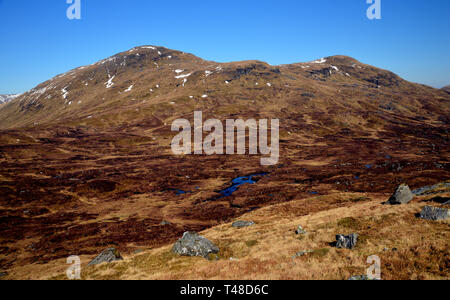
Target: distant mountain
point(123, 89)
point(7, 98)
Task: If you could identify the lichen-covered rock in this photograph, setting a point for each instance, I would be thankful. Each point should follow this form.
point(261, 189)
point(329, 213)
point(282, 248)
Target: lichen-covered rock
point(193, 244)
point(241, 224)
point(300, 230)
point(346, 241)
point(107, 256)
point(435, 213)
point(402, 195)
point(361, 278)
point(302, 253)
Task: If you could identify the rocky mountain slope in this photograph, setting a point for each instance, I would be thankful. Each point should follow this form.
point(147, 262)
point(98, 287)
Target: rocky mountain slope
point(7, 98)
point(127, 87)
point(86, 162)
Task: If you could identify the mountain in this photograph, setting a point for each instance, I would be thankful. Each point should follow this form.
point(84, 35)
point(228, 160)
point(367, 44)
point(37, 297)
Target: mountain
point(165, 81)
point(86, 164)
point(7, 98)
point(446, 88)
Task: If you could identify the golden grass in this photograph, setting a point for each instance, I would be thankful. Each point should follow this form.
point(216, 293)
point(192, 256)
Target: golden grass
point(266, 250)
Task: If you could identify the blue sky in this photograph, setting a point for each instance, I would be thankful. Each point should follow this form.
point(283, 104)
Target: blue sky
point(39, 42)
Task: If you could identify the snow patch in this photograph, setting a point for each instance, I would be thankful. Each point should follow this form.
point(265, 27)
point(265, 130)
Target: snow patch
point(129, 89)
point(319, 61)
point(183, 76)
point(109, 83)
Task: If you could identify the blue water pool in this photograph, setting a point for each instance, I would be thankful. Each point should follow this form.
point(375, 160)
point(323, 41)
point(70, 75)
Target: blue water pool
point(237, 182)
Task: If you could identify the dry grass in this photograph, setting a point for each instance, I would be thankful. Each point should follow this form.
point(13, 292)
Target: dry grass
point(409, 248)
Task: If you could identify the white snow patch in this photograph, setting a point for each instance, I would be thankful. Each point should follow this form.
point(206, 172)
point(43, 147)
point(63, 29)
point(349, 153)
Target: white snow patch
point(336, 68)
point(269, 84)
point(205, 96)
point(207, 73)
point(109, 83)
point(129, 89)
point(319, 61)
point(178, 71)
point(64, 92)
point(183, 76)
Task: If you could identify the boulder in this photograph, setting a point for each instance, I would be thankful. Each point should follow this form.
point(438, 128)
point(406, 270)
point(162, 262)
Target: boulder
point(359, 278)
point(3, 274)
point(435, 213)
point(346, 241)
point(107, 256)
point(300, 230)
point(165, 223)
point(302, 253)
point(193, 244)
point(362, 278)
point(402, 195)
point(241, 224)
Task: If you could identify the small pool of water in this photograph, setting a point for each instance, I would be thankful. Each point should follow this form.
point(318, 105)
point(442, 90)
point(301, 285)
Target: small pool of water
point(237, 182)
point(179, 192)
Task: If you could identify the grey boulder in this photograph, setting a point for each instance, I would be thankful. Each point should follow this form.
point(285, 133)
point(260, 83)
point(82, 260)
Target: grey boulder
point(193, 244)
point(242, 224)
point(361, 278)
point(300, 230)
point(402, 195)
point(346, 241)
point(435, 213)
point(107, 256)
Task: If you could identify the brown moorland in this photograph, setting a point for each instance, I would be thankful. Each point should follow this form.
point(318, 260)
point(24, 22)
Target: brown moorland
point(86, 163)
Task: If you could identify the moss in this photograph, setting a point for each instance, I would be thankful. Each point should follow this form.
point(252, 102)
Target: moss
point(350, 223)
point(251, 243)
point(320, 252)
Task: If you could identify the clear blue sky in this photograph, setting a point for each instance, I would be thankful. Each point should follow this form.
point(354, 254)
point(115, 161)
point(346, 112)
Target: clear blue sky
point(39, 42)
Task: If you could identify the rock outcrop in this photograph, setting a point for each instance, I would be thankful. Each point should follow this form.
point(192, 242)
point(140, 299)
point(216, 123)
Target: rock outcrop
point(402, 195)
point(242, 224)
point(193, 244)
point(435, 213)
point(300, 230)
point(346, 241)
point(107, 256)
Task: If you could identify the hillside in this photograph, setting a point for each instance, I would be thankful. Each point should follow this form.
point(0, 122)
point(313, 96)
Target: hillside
point(86, 164)
point(7, 98)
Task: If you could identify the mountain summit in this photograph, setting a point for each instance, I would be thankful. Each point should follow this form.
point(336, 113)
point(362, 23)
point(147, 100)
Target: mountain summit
point(123, 88)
